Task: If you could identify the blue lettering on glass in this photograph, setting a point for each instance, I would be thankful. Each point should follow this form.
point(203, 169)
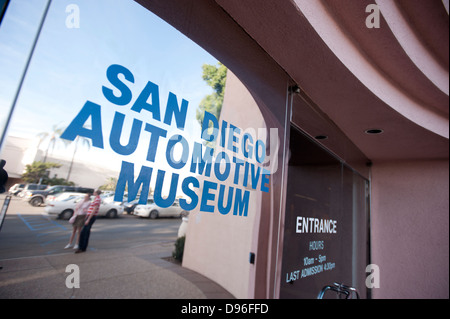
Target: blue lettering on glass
point(168, 201)
point(113, 77)
point(172, 110)
point(126, 177)
point(209, 118)
point(247, 148)
point(225, 209)
point(199, 162)
point(238, 163)
point(233, 138)
point(223, 133)
point(190, 193)
point(265, 180)
point(241, 203)
point(222, 176)
point(255, 175)
point(156, 133)
point(207, 196)
point(169, 152)
point(116, 131)
point(76, 128)
point(150, 90)
point(260, 145)
point(202, 158)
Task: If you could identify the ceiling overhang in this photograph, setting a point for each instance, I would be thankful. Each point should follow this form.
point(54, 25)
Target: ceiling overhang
point(394, 77)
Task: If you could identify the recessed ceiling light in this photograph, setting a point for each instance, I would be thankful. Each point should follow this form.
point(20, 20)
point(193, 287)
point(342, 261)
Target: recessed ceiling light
point(321, 137)
point(374, 131)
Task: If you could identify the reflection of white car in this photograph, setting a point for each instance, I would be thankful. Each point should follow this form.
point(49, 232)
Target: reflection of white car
point(65, 208)
point(152, 211)
point(61, 196)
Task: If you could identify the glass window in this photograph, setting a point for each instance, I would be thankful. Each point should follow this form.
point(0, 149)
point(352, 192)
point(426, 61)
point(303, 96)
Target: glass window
point(325, 232)
point(113, 96)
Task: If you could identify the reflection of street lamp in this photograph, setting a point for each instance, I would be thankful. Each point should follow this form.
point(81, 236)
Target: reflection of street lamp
point(19, 86)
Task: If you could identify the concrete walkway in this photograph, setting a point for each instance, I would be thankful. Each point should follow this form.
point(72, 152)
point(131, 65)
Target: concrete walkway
point(138, 272)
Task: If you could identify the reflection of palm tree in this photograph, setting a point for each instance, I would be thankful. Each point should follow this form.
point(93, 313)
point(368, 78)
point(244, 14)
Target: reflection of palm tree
point(53, 137)
point(110, 184)
point(84, 142)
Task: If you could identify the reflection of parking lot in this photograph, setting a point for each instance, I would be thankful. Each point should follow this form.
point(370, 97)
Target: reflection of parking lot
point(28, 231)
point(40, 222)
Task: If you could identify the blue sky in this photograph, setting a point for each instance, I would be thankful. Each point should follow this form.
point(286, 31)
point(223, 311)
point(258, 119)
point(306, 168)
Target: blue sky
point(69, 65)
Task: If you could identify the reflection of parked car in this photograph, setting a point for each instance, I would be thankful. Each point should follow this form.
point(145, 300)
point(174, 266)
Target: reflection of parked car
point(152, 211)
point(16, 189)
point(30, 188)
point(62, 196)
point(36, 198)
point(129, 207)
point(65, 208)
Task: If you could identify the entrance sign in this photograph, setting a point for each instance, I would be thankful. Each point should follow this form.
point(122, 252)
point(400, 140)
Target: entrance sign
point(315, 225)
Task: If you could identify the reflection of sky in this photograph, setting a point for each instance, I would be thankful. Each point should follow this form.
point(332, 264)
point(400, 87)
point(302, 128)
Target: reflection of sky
point(69, 66)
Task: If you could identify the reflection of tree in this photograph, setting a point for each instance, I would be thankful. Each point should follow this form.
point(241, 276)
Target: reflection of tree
point(78, 140)
point(53, 137)
point(110, 184)
point(215, 77)
point(37, 171)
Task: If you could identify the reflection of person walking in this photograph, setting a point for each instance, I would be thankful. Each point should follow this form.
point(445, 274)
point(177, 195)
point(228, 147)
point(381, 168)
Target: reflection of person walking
point(90, 219)
point(78, 219)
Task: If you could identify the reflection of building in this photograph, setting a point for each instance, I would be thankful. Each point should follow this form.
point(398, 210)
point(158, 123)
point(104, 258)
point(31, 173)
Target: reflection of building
point(18, 152)
point(377, 98)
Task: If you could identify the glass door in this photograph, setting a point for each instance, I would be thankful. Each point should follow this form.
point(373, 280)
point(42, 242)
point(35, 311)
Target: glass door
point(325, 230)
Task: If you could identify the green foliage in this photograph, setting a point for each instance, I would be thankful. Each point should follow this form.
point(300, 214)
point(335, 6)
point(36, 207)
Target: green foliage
point(215, 77)
point(37, 170)
point(179, 248)
point(57, 181)
point(110, 184)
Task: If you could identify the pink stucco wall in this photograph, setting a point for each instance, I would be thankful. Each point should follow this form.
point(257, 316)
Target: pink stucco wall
point(410, 229)
point(217, 245)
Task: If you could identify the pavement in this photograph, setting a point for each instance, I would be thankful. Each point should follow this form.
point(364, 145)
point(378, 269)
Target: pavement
point(139, 272)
